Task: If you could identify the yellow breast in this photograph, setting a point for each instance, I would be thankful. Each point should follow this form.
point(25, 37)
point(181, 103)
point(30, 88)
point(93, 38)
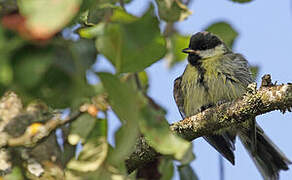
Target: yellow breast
point(216, 87)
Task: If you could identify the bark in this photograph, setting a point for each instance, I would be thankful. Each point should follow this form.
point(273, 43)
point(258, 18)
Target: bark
point(255, 102)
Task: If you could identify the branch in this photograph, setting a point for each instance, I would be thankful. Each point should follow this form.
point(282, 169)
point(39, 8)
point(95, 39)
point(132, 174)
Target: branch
point(232, 114)
point(33, 129)
point(38, 131)
point(255, 102)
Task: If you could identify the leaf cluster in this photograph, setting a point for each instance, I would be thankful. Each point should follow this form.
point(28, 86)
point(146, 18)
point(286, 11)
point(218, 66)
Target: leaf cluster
point(48, 51)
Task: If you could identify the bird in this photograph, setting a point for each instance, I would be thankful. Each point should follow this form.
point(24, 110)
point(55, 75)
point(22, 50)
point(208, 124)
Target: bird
point(214, 75)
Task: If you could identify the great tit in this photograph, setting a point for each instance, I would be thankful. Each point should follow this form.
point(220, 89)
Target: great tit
point(214, 75)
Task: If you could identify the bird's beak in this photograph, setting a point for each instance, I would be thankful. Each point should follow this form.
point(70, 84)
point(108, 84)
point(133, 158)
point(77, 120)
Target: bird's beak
point(189, 51)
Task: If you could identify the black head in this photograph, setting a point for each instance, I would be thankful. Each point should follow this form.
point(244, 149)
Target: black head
point(199, 42)
point(203, 41)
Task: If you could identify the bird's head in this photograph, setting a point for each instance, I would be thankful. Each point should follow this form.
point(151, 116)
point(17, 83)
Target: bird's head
point(204, 45)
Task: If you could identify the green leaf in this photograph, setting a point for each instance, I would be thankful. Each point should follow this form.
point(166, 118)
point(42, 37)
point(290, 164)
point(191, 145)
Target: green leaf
point(83, 54)
point(133, 46)
point(132, 108)
point(6, 72)
point(187, 173)
point(241, 1)
point(138, 80)
point(124, 102)
point(118, 15)
point(80, 128)
point(92, 156)
point(99, 11)
point(175, 44)
point(85, 5)
point(106, 172)
point(61, 90)
point(52, 86)
point(55, 73)
point(158, 135)
point(92, 32)
point(225, 31)
point(8, 43)
point(44, 18)
point(144, 81)
point(75, 57)
point(99, 129)
point(30, 64)
point(172, 10)
point(15, 174)
point(155, 128)
point(121, 16)
point(166, 168)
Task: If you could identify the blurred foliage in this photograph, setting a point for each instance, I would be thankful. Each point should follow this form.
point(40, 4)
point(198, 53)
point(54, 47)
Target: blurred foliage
point(187, 173)
point(175, 43)
point(131, 43)
point(135, 110)
point(172, 10)
point(37, 62)
point(81, 128)
point(54, 71)
point(44, 18)
point(126, 105)
point(7, 6)
point(224, 31)
point(15, 174)
point(92, 156)
point(166, 168)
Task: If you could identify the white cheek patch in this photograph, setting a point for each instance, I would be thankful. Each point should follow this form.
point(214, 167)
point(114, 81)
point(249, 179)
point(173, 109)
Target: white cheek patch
point(212, 52)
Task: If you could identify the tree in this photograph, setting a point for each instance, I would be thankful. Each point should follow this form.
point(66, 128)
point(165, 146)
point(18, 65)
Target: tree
point(48, 49)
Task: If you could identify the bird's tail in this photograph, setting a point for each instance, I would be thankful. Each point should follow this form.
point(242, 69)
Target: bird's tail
point(266, 155)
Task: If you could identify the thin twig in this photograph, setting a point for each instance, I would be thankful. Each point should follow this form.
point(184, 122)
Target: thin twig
point(28, 138)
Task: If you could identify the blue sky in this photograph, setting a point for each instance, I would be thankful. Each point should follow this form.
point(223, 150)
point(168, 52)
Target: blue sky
point(265, 38)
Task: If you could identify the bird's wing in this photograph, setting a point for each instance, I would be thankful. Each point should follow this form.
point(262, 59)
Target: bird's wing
point(242, 73)
point(179, 96)
point(222, 143)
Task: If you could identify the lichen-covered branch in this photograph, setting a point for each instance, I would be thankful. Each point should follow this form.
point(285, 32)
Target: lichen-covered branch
point(255, 102)
point(37, 131)
point(33, 129)
point(232, 114)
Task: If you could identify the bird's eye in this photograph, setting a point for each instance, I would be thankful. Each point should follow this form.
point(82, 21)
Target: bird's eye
point(203, 46)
